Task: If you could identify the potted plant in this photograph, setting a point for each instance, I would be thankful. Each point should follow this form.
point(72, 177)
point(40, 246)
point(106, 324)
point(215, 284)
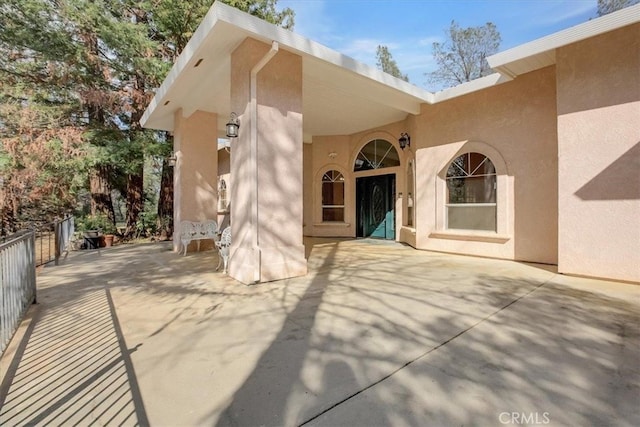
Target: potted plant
point(97, 229)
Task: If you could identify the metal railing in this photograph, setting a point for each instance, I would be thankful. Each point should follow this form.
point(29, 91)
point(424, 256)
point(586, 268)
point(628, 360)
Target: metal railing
point(20, 254)
point(64, 231)
point(17, 282)
point(52, 239)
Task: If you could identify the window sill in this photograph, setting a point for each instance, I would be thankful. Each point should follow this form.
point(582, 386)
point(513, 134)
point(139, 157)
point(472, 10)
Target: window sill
point(470, 235)
point(332, 224)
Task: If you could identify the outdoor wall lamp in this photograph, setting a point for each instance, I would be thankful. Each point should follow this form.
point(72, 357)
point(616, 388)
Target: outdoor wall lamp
point(404, 140)
point(172, 160)
point(233, 126)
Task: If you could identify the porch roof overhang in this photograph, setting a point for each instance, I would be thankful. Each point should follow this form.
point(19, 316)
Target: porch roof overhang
point(340, 95)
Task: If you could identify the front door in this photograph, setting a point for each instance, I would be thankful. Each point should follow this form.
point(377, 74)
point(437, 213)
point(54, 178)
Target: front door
point(375, 204)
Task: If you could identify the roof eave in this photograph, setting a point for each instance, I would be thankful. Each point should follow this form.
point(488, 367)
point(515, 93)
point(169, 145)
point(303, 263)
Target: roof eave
point(541, 52)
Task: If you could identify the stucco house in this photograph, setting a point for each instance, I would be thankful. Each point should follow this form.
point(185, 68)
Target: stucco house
point(539, 162)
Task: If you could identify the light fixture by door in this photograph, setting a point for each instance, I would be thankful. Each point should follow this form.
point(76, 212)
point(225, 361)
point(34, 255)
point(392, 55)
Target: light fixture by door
point(233, 126)
point(172, 160)
point(404, 140)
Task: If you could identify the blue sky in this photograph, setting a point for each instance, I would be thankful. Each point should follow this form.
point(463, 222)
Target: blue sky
point(409, 27)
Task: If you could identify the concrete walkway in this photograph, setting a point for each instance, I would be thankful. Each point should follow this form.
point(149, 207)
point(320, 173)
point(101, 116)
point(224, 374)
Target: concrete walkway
point(377, 334)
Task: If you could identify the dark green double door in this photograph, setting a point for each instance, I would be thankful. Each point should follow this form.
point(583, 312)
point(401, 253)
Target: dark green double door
point(375, 206)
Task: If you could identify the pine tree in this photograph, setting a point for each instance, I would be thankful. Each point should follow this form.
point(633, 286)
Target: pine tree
point(386, 63)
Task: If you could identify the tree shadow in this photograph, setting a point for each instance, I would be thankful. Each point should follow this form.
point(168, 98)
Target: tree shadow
point(72, 367)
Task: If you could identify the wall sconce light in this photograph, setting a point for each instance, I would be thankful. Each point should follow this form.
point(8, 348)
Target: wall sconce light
point(233, 126)
point(404, 140)
point(172, 160)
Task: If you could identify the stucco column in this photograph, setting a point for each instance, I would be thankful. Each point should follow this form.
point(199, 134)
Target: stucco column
point(266, 191)
point(195, 177)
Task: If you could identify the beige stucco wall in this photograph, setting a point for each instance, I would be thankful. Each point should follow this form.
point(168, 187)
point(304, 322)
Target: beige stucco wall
point(599, 152)
point(270, 246)
point(514, 124)
point(196, 170)
point(338, 152)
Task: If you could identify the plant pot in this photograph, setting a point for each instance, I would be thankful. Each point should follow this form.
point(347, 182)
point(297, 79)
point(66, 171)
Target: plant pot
point(91, 233)
point(108, 240)
point(92, 239)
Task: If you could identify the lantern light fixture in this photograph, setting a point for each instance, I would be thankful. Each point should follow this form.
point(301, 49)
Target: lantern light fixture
point(404, 140)
point(172, 160)
point(233, 126)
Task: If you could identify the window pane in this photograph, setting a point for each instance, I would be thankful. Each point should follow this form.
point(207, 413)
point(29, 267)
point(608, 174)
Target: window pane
point(476, 189)
point(470, 217)
point(377, 154)
point(471, 180)
point(333, 214)
point(333, 193)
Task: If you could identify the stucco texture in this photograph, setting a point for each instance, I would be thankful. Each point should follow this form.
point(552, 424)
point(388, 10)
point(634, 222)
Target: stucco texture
point(599, 155)
point(271, 241)
point(514, 124)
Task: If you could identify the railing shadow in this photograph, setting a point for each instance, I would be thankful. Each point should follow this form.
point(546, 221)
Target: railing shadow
point(73, 368)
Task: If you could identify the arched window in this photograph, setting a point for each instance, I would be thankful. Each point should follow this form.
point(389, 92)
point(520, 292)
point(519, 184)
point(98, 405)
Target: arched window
point(223, 202)
point(377, 154)
point(471, 188)
point(332, 196)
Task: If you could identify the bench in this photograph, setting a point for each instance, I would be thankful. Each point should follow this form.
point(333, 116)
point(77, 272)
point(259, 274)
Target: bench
point(194, 230)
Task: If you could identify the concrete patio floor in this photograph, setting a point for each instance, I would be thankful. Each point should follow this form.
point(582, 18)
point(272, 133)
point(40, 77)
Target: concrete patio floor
point(376, 334)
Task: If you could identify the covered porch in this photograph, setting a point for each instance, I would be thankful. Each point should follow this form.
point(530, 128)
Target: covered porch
point(376, 334)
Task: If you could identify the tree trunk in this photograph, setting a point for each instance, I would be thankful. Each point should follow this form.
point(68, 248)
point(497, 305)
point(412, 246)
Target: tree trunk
point(134, 200)
point(100, 187)
point(9, 212)
point(165, 201)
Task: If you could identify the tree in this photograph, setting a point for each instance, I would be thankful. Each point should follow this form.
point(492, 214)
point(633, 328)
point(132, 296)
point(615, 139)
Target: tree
point(462, 57)
point(386, 63)
point(607, 6)
point(96, 63)
point(266, 10)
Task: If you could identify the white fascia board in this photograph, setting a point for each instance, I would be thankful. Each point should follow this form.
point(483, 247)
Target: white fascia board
point(594, 27)
point(262, 30)
point(296, 43)
point(469, 87)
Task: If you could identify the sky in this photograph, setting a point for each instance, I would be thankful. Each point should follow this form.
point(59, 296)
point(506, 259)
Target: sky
point(409, 27)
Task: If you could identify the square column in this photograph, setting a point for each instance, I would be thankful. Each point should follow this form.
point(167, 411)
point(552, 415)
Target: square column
point(195, 177)
point(266, 165)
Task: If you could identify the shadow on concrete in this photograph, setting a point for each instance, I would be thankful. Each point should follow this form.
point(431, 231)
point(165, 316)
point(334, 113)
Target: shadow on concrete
point(376, 334)
point(72, 368)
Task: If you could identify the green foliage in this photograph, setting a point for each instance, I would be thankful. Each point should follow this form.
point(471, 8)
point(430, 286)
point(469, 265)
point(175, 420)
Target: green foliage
point(606, 7)
point(98, 222)
point(266, 9)
point(462, 57)
point(386, 63)
point(75, 79)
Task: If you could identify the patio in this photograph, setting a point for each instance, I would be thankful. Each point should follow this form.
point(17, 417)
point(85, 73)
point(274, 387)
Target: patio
point(376, 334)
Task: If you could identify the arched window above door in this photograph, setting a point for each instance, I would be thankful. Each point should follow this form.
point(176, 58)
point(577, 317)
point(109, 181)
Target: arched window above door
point(376, 154)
